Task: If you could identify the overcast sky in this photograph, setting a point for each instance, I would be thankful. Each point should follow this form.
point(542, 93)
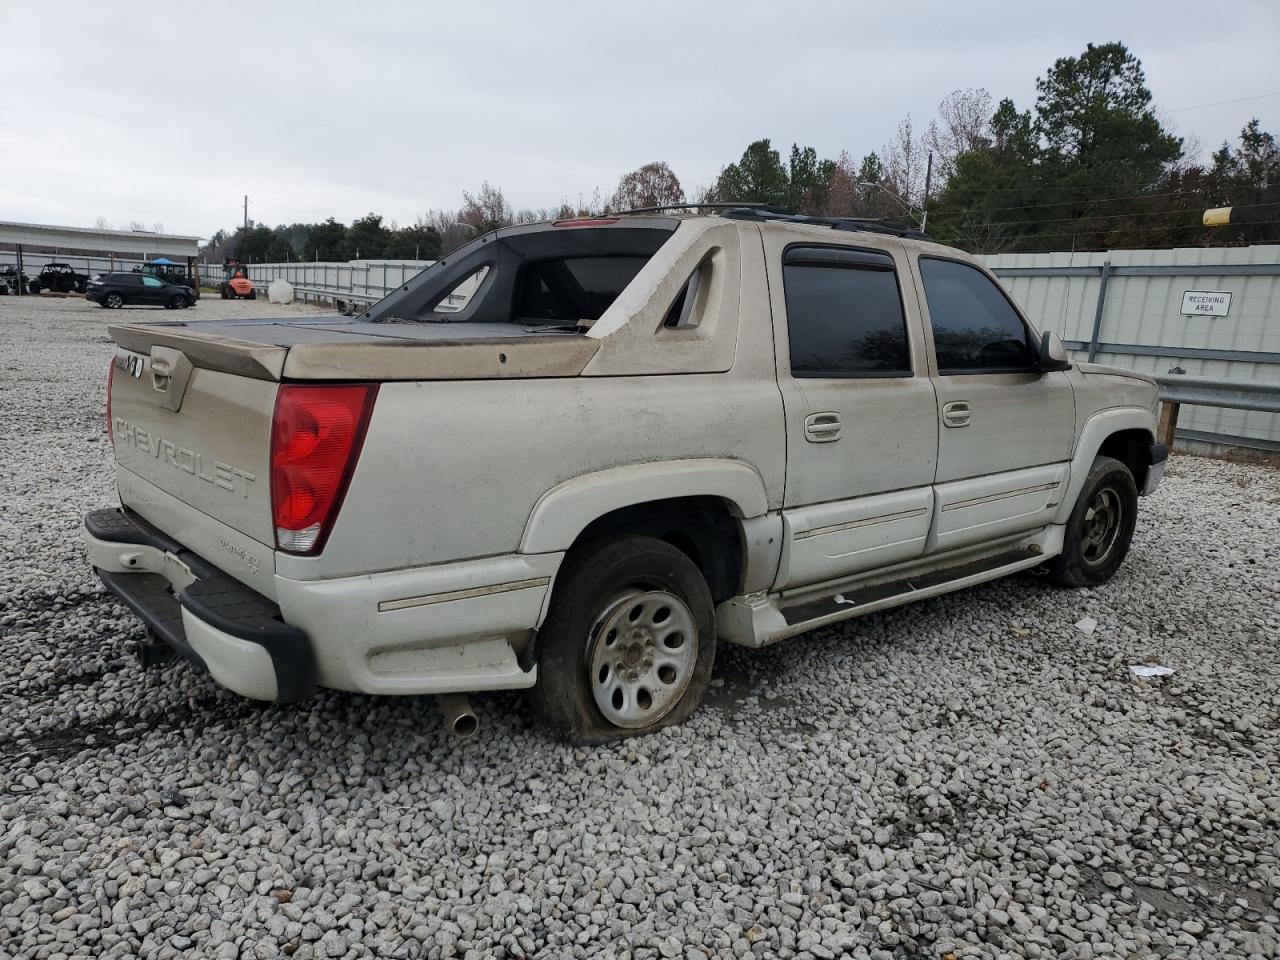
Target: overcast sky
point(150, 112)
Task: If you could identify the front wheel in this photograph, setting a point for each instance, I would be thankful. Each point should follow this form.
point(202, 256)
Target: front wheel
point(178, 302)
point(628, 644)
point(1100, 528)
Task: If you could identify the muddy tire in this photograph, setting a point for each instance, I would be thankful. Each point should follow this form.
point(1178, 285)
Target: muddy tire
point(628, 644)
point(1100, 528)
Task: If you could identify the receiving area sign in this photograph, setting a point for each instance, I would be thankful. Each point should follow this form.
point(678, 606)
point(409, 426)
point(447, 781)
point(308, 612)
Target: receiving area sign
point(1206, 303)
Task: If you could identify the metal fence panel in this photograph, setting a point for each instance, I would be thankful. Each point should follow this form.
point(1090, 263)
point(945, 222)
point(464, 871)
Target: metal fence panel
point(1141, 325)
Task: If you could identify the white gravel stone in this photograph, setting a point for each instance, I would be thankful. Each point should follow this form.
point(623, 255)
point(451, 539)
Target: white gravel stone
point(974, 775)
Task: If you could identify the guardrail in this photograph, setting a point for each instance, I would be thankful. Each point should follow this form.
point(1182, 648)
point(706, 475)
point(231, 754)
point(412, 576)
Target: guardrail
point(345, 300)
point(1176, 388)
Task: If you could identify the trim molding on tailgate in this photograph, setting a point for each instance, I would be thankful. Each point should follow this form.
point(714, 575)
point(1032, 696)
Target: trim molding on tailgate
point(212, 351)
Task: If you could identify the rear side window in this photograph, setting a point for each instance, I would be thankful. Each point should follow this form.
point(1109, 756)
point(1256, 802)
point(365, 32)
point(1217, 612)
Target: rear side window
point(844, 314)
point(458, 297)
point(974, 326)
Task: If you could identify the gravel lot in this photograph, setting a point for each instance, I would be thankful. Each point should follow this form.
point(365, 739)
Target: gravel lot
point(975, 775)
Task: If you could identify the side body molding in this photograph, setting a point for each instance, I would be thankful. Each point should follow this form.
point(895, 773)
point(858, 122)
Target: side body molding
point(566, 509)
point(1096, 429)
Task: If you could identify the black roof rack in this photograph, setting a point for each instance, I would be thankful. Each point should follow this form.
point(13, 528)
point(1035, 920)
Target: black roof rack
point(763, 212)
point(728, 205)
point(740, 210)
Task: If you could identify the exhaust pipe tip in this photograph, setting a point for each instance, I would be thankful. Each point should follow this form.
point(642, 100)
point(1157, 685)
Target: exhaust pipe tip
point(458, 716)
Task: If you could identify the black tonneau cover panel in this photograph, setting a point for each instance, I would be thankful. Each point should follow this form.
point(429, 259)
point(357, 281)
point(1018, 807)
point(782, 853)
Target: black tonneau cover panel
point(295, 331)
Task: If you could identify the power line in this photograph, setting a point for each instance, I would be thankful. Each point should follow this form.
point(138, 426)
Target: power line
point(1084, 199)
point(1139, 230)
point(1219, 103)
point(1119, 216)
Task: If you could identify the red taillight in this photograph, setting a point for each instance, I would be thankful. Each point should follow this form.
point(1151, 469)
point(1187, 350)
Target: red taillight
point(586, 222)
point(111, 377)
point(316, 435)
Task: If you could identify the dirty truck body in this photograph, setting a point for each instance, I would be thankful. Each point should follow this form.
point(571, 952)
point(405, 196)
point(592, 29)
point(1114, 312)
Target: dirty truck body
point(572, 457)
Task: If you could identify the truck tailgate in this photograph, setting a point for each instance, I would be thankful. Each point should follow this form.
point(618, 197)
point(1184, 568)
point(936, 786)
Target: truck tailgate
point(199, 435)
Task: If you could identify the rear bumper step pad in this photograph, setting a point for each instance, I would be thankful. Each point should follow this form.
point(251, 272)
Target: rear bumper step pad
point(215, 598)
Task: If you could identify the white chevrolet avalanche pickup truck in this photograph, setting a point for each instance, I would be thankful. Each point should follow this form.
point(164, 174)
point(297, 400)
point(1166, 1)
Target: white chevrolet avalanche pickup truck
point(573, 457)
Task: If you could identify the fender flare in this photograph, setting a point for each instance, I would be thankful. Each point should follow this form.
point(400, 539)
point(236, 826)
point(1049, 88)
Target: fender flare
point(1096, 429)
point(564, 511)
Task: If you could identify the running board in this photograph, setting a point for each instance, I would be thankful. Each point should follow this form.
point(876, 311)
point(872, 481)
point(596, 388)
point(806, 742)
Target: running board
point(762, 619)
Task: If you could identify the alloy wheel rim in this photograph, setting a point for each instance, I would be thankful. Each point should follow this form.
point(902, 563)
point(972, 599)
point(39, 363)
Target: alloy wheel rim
point(1101, 526)
point(643, 650)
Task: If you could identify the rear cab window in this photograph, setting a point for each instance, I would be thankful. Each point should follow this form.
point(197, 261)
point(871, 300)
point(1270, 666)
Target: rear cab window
point(845, 317)
point(975, 327)
point(573, 289)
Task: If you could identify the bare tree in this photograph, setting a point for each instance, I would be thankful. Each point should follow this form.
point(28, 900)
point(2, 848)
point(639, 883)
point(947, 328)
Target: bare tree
point(963, 124)
point(979, 232)
point(102, 223)
point(486, 210)
point(904, 163)
point(651, 185)
point(582, 207)
point(137, 226)
point(453, 233)
point(158, 226)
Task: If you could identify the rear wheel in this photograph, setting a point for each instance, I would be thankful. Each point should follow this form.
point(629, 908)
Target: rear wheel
point(628, 644)
point(1100, 528)
point(113, 301)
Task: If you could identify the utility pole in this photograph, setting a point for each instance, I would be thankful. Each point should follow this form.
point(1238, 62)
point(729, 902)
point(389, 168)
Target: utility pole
point(928, 179)
point(246, 211)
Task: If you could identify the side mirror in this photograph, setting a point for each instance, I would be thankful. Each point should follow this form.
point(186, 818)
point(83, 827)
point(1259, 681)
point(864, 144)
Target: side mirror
point(1053, 355)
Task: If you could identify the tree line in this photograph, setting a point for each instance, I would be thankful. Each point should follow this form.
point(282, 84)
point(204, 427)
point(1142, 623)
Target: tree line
point(1090, 166)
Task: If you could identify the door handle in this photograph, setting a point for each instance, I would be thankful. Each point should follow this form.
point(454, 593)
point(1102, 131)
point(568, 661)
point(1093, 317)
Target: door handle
point(822, 427)
point(955, 413)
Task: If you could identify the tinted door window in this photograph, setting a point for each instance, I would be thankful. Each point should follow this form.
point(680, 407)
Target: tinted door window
point(844, 314)
point(975, 328)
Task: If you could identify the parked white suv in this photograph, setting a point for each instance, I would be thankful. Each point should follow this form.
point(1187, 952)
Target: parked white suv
point(574, 456)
